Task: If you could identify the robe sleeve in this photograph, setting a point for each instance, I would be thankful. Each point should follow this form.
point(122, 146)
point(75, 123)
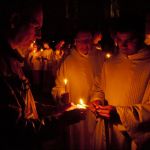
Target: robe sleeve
point(99, 86)
point(136, 118)
point(59, 88)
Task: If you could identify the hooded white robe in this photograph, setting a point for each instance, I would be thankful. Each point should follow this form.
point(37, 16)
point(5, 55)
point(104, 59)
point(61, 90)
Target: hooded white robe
point(125, 84)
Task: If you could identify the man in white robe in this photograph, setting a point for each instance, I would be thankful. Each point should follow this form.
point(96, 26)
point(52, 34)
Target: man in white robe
point(121, 95)
point(79, 68)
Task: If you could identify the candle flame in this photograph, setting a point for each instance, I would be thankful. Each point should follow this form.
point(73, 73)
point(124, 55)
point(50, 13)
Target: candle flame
point(108, 55)
point(65, 81)
point(81, 104)
point(81, 101)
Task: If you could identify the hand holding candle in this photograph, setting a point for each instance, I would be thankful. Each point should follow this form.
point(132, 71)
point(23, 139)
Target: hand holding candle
point(65, 95)
point(65, 82)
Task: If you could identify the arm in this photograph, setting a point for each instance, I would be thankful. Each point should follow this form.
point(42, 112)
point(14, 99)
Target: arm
point(59, 89)
point(98, 95)
point(134, 118)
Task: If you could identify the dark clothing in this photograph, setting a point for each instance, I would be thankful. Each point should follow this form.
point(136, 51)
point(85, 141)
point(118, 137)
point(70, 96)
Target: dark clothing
point(20, 126)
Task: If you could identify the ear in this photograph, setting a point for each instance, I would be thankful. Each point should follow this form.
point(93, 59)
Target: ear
point(14, 20)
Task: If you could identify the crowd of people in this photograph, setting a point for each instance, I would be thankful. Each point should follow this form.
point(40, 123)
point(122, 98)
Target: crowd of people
point(99, 103)
point(42, 63)
point(43, 60)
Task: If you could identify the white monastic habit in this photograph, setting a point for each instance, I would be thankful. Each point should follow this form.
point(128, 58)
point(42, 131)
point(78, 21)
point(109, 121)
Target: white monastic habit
point(80, 71)
point(125, 84)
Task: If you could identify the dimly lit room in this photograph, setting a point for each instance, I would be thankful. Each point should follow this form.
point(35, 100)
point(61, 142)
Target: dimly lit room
point(75, 74)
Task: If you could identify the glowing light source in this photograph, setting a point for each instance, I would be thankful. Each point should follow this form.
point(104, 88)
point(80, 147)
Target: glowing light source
point(65, 82)
point(108, 55)
point(81, 105)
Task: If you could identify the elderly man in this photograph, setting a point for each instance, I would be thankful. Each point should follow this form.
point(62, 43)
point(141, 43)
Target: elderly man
point(21, 121)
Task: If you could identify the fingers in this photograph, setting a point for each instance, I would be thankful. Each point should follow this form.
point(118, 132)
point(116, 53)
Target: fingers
point(105, 111)
point(102, 111)
point(93, 106)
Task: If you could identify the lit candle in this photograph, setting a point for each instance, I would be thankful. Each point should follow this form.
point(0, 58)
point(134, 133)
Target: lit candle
point(108, 55)
point(65, 82)
point(81, 104)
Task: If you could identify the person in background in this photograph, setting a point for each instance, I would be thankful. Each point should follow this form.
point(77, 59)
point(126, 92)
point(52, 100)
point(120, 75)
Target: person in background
point(37, 66)
point(67, 48)
point(32, 51)
point(22, 123)
point(47, 69)
point(58, 56)
point(59, 50)
point(97, 37)
point(97, 52)
point(47, 55)
point(121, 95)
point(28, 63)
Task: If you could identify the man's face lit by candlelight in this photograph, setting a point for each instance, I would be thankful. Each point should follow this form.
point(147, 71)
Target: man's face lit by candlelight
point(27, 32)
point(127, 42)
point(83, 42)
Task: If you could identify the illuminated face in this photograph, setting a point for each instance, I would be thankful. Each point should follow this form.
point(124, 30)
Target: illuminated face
point(28, 32)
point(127, 42)
point(35, 47)
point(45, 45)
point(83, 42)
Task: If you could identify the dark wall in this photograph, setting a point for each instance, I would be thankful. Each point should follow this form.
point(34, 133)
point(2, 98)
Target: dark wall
point(60, 20)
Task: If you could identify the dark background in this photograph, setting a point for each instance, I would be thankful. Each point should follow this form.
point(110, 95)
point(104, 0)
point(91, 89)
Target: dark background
point(61, 17)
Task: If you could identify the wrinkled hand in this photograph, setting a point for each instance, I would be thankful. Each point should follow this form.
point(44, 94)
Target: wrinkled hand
point(73, 116)
point(59, 110)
